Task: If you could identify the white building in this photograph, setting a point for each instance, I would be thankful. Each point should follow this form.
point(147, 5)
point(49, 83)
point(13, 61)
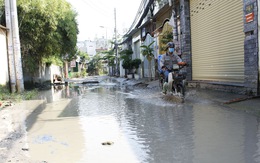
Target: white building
point(102, 44)
point(88, 47)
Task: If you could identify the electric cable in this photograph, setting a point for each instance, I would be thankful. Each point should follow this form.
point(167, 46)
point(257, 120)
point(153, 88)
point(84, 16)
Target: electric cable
point(95, 8)
point(138, 14)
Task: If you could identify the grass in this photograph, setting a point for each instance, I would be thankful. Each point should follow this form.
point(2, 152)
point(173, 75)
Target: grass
point(5, 95)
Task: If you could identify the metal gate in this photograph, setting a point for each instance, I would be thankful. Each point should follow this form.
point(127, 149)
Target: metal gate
point(217, 40)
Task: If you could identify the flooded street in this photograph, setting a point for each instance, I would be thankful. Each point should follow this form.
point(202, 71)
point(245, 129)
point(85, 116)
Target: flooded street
point(113, 123)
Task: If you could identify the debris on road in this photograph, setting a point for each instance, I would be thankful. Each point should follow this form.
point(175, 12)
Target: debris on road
point(241, 99)
point(4, 104)
point(107, 143)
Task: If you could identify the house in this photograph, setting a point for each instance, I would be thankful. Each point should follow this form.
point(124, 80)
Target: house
point(219, 40)
point(4, 77)
point(88, 47)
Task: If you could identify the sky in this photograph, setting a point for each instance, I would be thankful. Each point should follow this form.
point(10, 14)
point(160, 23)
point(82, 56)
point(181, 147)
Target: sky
point(96, 18)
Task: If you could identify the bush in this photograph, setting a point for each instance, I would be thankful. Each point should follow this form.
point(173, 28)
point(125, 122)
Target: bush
point(5, 95)
point(83, 72)
point(136, 62)
point(127, 64)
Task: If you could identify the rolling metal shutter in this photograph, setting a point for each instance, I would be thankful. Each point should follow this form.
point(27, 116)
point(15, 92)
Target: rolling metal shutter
point(217, 40)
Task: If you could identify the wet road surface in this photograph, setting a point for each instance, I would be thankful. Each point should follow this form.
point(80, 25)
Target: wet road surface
point(112, 123)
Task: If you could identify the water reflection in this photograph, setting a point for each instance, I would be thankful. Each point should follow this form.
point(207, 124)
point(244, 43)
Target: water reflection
point(145, 128)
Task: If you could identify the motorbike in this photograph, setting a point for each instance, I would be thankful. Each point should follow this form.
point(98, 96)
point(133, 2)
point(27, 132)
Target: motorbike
point(177, 81)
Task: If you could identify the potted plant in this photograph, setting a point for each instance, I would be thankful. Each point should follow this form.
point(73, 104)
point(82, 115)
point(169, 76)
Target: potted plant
point(127, 65)
point(136, 63)
point(126, 56)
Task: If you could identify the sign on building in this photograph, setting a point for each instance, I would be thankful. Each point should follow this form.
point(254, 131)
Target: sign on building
point(73, 63)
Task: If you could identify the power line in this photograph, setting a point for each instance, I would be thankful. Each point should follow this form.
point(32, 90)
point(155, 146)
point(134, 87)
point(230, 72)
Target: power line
point(100, 7)
point(138, 14)
point(96, 8)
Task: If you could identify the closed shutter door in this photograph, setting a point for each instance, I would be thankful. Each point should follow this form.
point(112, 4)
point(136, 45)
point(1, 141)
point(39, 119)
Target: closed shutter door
point(217, 40)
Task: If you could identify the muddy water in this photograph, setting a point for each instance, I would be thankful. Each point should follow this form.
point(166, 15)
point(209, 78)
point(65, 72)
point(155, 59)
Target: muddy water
point(112, 123)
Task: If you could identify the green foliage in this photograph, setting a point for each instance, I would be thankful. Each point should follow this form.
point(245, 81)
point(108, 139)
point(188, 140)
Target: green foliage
point(136, 62)
point(126, 53)
point(5, 95)
point(83, 56)
point(74, 74)
point(52, 60)
point(3, 90)
point(67, 28)
point(126, 56)
point(80, 74)
point(83, 72)
point(127, 64)
point(147, 51)
point(166, 37)
point(77, 74)
point(95, 65)
point(109, 57)
point(47, 28)
point(28, 95)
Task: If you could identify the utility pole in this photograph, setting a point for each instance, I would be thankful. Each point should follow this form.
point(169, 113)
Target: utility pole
point(11, 63)
point(17, 48)
point(117, 66)
point(14, 49)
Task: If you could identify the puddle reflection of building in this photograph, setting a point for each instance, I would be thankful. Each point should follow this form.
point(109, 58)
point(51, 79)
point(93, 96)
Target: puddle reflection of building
point(56, 93)
point(73, 90)
point(67, 91)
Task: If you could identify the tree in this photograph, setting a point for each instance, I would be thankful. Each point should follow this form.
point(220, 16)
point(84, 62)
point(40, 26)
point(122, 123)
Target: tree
point(147, 52)
point(94, 66)
point(126, 56)
point(166, 37)
point(109, 57)
point(84, 57)
point(47, 28)
point(136, 63)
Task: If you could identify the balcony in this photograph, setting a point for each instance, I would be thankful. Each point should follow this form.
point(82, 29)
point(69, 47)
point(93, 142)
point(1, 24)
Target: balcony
point(159, 4)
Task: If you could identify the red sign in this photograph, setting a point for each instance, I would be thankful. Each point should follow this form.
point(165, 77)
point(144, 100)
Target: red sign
point(249, 17)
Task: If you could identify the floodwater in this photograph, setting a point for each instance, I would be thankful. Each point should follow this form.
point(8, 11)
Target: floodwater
point(112, 123)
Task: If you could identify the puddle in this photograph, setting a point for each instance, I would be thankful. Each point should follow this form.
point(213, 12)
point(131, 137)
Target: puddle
point(79, 122)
